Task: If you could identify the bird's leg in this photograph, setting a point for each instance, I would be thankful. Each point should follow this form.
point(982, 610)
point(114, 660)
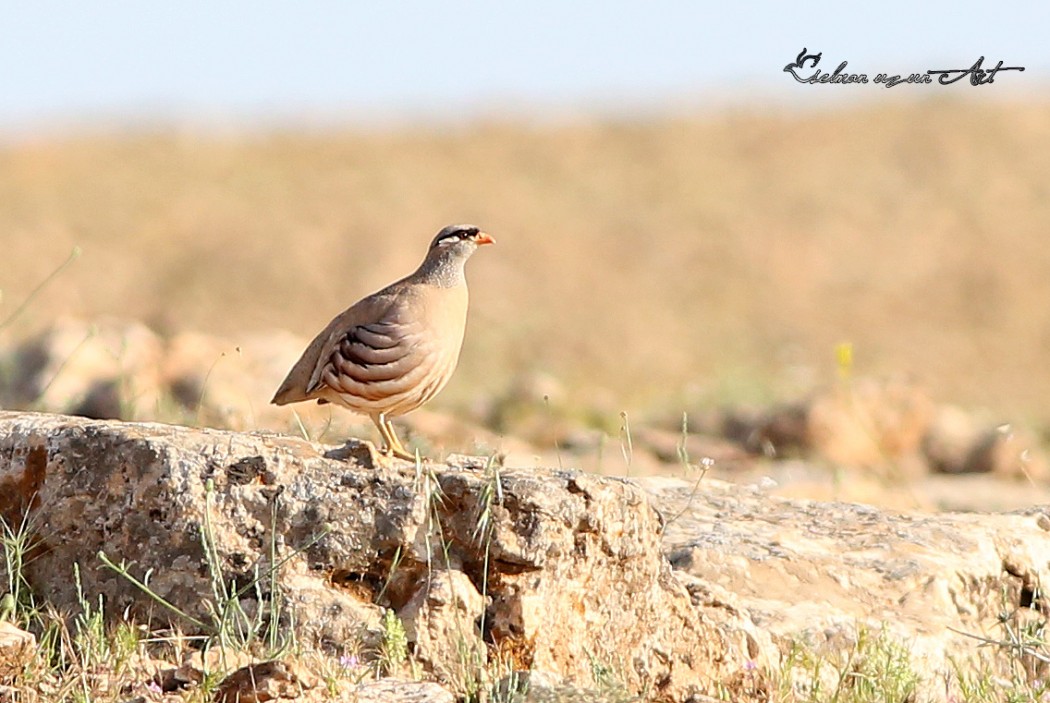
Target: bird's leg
point(393, 446)
point(399, 449)
point(380, 423)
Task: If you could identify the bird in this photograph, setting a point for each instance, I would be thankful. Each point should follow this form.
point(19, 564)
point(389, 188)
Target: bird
point(394, 350)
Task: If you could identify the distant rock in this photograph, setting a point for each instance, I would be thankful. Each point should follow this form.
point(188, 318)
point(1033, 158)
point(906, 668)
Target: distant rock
point(114, 368)
point(119, 369)
point(695, 449)
point(106, 369)
point(1011, 452)
point(958, 443)
point(871, 423)
point(228, 383)
point(864, 422)
point(889, 429)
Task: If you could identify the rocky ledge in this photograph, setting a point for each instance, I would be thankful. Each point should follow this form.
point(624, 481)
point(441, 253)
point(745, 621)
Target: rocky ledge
point(683, 590)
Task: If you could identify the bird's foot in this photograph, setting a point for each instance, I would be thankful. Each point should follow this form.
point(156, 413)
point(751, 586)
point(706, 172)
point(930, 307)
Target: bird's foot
point(401, 453)
point(354, 450)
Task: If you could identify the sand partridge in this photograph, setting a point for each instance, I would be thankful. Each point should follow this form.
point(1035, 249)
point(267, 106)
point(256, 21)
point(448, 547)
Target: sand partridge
point(393, 351)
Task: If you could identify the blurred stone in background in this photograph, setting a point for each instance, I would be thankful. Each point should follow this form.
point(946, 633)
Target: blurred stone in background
point(862, 439)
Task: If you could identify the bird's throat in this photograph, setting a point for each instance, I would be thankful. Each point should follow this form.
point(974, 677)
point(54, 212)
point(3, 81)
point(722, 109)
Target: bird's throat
point(445, 272)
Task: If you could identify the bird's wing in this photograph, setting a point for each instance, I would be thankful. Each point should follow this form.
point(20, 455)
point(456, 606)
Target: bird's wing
point(374, 343)
point(370, 353)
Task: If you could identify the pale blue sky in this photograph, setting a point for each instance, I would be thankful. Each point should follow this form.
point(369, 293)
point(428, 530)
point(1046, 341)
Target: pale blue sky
point(240, 61)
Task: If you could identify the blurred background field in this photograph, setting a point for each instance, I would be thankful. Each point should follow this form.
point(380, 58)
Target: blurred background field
point(648, 265)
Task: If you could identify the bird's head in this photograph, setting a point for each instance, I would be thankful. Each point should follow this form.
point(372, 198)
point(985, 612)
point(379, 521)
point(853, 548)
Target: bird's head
point(458, 241)
point(449, 251)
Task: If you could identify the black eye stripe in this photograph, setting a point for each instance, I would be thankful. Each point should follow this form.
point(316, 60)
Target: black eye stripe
point(455, 237)
point(453, 233)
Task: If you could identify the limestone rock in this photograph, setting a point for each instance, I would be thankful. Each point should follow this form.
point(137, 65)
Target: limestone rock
point(866, 423)
point(108, 368)
point(259, 683)
point(567, 569)
point(386, 690)
point(814, 572)
point(442, 622)
point(228, 383)
point(17, 647)
point(950, 439)
point(541, 687)
point(1008, 452)
point(571, 563)
point(673, 447)
point(216, 659)
point(958, 443)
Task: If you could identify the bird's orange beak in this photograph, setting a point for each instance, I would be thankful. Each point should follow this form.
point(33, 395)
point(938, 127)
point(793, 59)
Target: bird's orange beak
point(483, 238)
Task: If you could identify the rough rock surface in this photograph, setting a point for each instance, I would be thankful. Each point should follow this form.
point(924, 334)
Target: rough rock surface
point(265, 681)
point(551, 571)
point(16, 648)
point(441, 621)
point(814, 572)
point(385, 690)
point(570, 564)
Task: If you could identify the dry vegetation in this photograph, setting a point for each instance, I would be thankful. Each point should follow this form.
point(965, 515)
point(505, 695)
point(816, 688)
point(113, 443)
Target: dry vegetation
point(656, 265)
